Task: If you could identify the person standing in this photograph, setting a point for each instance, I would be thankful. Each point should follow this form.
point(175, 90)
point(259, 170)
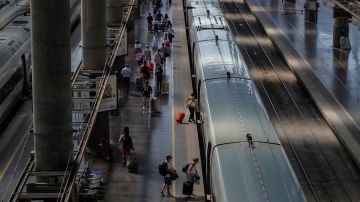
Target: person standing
point(127, 143)
point(167, 177)
point(192, 174)
point(146, 93)
point(126, 72)
point(191, 104)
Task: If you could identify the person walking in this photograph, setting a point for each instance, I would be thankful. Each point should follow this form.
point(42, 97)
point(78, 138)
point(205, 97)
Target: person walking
point(126, 72)
point(150, 22)
point(127, 143)
point(147, 54)
point(146, 93)
point(167, 176)
point(157, 59)
point(191, 104)
point(171, 33)
point(159, 79)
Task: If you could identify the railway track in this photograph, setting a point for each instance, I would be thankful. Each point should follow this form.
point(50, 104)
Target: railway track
point(323, 166)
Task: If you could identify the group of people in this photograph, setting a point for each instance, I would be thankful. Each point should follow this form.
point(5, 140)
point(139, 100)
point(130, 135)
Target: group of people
point(170, 174)
point(159, 22)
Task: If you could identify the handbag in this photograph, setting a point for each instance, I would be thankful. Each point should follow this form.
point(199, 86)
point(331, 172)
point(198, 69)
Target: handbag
point(174, 175)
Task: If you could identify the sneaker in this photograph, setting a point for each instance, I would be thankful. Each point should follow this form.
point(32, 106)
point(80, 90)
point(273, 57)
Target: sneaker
point(162, 194)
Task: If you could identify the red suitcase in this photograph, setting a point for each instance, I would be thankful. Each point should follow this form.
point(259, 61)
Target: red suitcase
point(180, 117)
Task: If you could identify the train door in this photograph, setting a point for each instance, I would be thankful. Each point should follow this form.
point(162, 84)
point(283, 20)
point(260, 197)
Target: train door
point(25, 65)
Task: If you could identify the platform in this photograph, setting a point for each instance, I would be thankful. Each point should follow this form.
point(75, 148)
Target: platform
point(330, 76)
point(155, 135)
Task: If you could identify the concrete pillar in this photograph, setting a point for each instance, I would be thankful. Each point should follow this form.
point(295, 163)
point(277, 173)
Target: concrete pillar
point(114, 12)
point(93, 33)
point(51, 83)
point(311, 10)
point(114, 15)
point(341, 25)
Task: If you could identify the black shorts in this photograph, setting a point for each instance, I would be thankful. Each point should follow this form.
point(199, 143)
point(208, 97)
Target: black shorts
point(167, 180)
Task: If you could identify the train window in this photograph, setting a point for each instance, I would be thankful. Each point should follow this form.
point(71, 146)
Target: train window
point(10, 84)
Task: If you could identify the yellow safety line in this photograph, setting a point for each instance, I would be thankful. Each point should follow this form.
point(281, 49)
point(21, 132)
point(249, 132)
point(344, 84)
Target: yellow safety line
point(12, 157)
point(172, 119)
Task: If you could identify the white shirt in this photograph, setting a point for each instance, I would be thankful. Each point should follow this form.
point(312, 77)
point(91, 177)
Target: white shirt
point(126, 72)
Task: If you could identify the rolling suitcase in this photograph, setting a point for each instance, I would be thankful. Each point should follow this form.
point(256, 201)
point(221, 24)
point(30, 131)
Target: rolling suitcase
point(188, 188)
point(132, 162)
point(165, 88)
point(153, 104)
point(180, 117)
point(139, 83)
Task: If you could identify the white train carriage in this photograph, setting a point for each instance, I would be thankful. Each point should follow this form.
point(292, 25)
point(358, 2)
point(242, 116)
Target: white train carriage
point(15, 62)
point(230, 109)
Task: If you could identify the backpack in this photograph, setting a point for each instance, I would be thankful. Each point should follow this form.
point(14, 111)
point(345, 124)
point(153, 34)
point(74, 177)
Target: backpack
point(185, 168)
point(163, 168)
point(146, 91)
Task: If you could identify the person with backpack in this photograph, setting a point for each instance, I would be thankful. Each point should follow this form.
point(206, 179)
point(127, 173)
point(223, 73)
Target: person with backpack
point(146, 93)
point(127, 143)
point(192, 176)
point(165, 169)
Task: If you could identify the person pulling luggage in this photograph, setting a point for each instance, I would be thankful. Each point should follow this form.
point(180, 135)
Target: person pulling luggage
point(192, 176)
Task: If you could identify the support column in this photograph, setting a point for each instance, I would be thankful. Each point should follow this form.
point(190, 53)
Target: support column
point(311, 10)
point(93, 32)
point(341, 25)
point(114, 12)
point(51, 84)
point(114, 15)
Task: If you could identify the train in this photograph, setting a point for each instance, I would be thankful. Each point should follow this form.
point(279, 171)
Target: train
point(15, 63)
point(15, 59)
point(244, 159)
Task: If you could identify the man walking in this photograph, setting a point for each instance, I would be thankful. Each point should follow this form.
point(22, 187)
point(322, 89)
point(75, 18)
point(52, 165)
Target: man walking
point(126, 72)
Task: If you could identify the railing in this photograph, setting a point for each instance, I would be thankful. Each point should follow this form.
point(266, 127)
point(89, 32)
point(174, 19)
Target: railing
point(351, 6)
point(82, 126)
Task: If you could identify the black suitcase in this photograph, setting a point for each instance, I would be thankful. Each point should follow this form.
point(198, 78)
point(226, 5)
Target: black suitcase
point(188, 188)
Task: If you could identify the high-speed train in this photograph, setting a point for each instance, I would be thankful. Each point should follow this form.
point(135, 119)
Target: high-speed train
point(244, 157)
point(15, 58)
point(15, 62)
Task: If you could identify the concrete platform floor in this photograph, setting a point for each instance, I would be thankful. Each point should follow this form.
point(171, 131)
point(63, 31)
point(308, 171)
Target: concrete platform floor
point(155, 135)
